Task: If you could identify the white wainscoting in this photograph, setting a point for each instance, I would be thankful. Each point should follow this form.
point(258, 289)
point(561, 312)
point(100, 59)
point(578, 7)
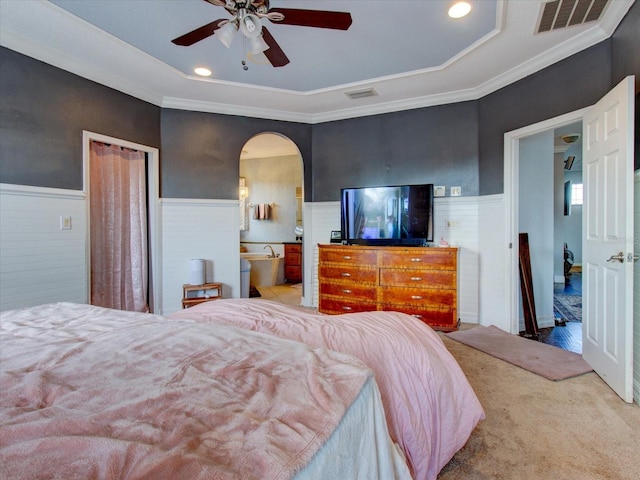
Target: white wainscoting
point(36, 254)
point(208, 229)
point(494, 248)
point(320, 218)
point(39, 262)
point(636, 289)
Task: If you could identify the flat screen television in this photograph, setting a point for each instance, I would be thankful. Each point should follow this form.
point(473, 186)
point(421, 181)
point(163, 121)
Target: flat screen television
point(392, 215)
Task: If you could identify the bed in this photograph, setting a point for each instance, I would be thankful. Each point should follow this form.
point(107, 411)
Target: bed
point(430, 406)
point(88, 392)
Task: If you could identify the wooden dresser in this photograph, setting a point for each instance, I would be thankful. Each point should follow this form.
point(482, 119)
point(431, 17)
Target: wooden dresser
point(293, 262)
point(420, 281)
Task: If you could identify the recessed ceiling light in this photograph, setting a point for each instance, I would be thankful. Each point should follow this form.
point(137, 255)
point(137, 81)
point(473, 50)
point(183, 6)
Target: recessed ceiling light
point(459, 9)
point(202, 71)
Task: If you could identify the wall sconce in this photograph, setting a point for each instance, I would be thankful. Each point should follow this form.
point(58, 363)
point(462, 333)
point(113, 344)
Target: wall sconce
point(243, 190)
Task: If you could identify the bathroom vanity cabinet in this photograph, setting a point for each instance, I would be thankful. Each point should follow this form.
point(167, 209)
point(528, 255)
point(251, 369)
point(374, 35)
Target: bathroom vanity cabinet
point(419, 281)
point(293, 262)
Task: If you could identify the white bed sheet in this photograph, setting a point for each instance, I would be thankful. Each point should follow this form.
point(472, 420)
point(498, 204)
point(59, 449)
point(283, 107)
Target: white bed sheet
point(360, 449)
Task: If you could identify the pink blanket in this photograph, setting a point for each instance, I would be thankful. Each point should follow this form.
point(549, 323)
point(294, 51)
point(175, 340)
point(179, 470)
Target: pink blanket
point(431, 409)
point(87, 392)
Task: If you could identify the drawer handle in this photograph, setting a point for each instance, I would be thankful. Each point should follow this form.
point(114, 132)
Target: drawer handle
point(416, 259)
point(345, 274)
point(347, 308)
point(346, 290)
point(347, 257)
point(416, 297)
point(416, 279)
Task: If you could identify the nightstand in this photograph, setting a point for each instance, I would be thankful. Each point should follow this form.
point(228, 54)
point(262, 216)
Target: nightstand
point(195, 294)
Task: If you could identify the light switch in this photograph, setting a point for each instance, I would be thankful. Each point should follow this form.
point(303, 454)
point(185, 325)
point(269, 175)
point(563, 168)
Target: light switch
point(456, 191)
point(65, 223)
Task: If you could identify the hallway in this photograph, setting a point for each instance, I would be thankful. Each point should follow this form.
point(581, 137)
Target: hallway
point(567, 334)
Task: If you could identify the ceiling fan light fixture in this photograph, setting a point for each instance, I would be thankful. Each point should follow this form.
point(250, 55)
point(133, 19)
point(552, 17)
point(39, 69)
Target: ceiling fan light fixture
point(257, 45)
point(459, 9)
point(571, 138)
point(227, 33)
point(250, 25)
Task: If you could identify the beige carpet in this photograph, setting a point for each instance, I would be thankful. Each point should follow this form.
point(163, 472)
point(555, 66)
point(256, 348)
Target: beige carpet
point(551, 362)
point(577, 429)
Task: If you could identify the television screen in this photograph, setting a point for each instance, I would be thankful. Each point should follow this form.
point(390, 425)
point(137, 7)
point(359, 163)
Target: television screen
point(387, 215)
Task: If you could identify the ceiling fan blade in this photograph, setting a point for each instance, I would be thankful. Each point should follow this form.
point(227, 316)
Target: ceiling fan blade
point(198, 34)
point(274, 53)
point(314, 18)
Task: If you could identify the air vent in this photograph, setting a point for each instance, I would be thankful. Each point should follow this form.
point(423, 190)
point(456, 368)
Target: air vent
point(565, 13)
point(356, 94)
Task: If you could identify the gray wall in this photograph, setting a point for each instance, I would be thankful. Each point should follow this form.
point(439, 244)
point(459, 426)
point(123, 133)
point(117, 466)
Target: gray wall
point(428, 145)
point(577, 82)
point(43, 111)
point(201, 151)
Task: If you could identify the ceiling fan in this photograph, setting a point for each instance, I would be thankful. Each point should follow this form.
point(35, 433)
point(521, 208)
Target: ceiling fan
point(247, 17)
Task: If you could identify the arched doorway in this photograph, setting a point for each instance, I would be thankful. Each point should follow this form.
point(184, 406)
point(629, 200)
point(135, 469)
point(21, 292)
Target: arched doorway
point(271, 195)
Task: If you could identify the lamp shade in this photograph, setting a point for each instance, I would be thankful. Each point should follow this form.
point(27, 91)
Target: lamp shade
point(258, 45)
point(227, 33)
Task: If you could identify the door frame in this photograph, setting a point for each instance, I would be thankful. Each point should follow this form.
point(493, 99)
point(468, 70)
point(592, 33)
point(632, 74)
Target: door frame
point(153, 219)
point(511, 199)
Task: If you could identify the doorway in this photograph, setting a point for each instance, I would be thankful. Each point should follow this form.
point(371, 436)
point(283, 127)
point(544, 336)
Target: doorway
point(513, 154)
point(153, 219)
point(608, 203)
point(271, 220)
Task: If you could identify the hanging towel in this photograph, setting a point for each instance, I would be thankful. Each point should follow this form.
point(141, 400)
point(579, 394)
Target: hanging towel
point(261, 211)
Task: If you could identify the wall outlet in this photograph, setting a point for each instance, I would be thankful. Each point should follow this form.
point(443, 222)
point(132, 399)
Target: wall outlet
point(439, 191)
point(456, 191)
point(65, 223)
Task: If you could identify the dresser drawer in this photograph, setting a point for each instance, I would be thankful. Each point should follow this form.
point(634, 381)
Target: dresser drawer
point(349, 292)
point(419, 297)
point(332, 305)
point(349, 273)
point(416, 278)
point(445, 319)
point(432, 258)
point(351, 256)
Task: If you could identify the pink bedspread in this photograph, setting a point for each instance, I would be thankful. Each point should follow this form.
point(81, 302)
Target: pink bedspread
point(87, 392)
point(431, 409)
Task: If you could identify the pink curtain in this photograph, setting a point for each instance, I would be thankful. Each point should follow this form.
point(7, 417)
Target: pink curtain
point(118, 197)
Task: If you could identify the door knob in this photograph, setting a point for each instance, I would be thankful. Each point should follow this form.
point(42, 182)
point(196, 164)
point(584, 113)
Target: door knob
point(619, 257)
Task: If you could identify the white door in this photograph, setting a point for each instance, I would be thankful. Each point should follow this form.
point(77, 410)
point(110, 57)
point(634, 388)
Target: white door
point(607, 264)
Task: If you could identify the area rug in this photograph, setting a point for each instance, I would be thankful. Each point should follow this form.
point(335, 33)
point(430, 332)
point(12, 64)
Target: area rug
point(545, 360)
point(569, 307)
